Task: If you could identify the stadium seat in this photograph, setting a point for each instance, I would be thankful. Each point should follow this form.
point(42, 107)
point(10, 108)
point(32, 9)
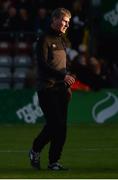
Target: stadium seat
point(22, 61)
point(5, 72)
point(5, 85)
point(5, 77)
point(5, 47)
point(26, 36)
point(18, 85)
point(6, 61)
point(19, 77)
point(22, 47)
point(7, 36)
point(20, 73)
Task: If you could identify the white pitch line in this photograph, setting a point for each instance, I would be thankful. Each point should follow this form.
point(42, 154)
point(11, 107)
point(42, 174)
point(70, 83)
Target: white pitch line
point(99, 149)
point(81, 149)
point(13, 151)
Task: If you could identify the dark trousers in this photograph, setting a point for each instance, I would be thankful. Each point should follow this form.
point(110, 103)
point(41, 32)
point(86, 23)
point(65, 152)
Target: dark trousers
point(54, 103)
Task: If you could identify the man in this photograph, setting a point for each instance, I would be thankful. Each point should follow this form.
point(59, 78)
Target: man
point(53, 90)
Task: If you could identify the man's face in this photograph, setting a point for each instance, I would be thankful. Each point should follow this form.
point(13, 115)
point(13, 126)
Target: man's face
point(61, 24)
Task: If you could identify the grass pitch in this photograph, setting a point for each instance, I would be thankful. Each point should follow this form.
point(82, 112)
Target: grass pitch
point(91, 151)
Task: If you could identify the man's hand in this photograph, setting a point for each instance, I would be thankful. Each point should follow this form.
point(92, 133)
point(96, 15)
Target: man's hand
point(69, 79)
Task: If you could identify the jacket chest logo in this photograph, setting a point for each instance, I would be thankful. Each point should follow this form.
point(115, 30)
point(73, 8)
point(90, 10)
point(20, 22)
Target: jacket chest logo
point(54, 46)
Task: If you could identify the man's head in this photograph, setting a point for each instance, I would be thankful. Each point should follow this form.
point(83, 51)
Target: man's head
point(60, 19)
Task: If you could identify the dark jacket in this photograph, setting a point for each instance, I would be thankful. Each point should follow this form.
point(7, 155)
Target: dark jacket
point(52, 60)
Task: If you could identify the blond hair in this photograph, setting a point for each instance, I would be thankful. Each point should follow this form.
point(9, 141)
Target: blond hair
point(59, 12)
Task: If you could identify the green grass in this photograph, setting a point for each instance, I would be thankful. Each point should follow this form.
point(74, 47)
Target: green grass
point(91, 151)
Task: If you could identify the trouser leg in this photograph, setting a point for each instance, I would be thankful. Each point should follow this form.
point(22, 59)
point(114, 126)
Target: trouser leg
point(54, 106)
point(59, 130)
point(57, 143)
point(41, 140)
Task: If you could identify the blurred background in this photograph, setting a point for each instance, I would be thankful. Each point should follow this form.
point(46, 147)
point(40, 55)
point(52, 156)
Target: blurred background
point(92, 45)
point(91, 150)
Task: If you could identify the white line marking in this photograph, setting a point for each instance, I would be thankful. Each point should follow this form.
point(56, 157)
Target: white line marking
point(13, 151)
point(81, 149)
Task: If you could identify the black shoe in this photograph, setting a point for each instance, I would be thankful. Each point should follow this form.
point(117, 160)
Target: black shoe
point(34, 159)
point(56, 167)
